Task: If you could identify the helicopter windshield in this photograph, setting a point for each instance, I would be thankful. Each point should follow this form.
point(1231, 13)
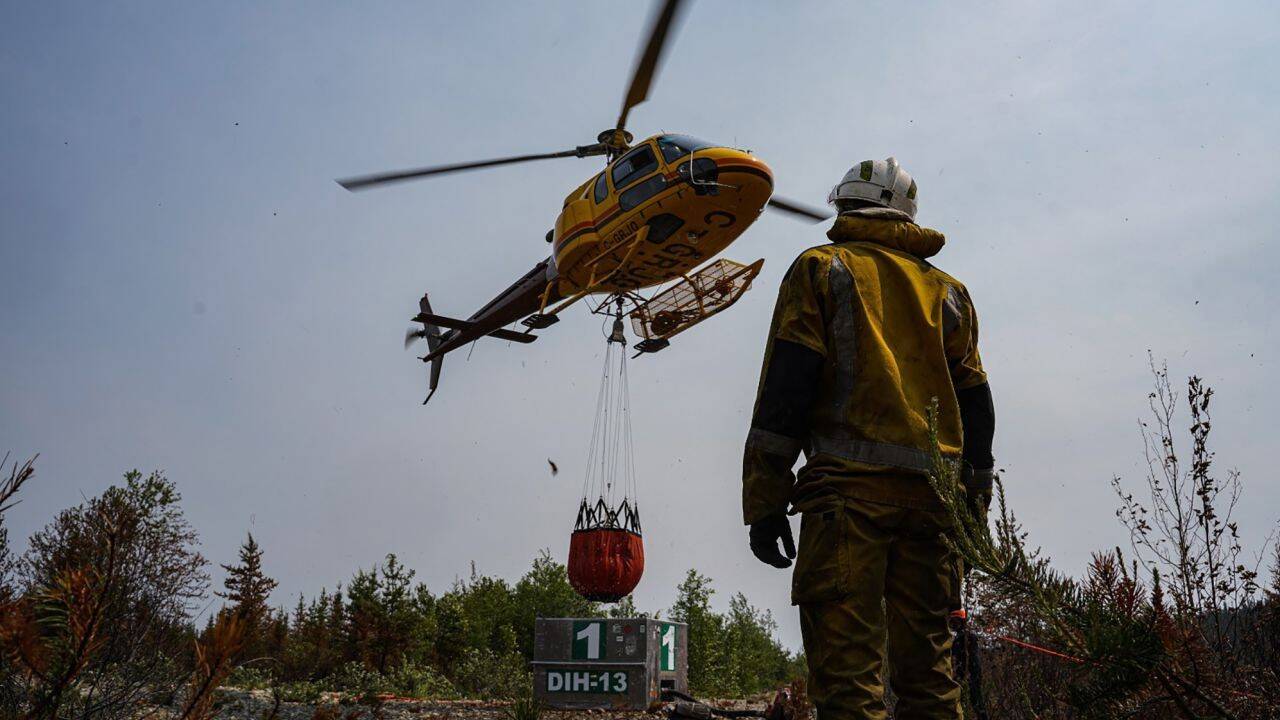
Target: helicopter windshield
point(677, 146)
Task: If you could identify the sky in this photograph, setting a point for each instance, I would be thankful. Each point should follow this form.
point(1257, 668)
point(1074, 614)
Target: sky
point(184, 287)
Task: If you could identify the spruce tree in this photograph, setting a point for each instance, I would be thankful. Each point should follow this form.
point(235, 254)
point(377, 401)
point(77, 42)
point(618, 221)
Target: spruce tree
point(248, 588)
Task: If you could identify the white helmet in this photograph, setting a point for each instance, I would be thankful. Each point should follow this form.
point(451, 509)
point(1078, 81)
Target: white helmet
point(880, 183)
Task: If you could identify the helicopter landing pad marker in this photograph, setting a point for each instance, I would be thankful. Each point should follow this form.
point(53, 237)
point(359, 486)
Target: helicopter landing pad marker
point(615, 663)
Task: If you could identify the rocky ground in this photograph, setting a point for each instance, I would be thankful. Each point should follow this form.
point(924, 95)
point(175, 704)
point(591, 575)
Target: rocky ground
point(259, 705)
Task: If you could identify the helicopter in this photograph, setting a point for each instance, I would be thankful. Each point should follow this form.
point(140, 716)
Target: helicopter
point(659, 211)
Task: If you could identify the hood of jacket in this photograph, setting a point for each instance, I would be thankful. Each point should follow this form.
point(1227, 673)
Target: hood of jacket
point(893, 233)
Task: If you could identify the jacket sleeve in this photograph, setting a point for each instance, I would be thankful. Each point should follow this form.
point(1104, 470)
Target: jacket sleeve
point(973, 392)
point(978, 417)
point(789, 381)
point(960, 323)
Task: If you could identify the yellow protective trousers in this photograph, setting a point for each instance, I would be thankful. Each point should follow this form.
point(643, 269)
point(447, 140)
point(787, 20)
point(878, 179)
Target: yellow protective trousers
point(874, 583)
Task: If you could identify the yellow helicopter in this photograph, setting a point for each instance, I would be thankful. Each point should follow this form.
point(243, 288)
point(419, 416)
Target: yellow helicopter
point(660, 209)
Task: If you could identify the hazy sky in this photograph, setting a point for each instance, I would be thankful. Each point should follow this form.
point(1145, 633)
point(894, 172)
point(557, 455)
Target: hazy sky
point(184, 287)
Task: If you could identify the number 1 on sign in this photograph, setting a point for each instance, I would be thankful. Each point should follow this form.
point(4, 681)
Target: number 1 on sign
point(591, 633)
point(668, 659)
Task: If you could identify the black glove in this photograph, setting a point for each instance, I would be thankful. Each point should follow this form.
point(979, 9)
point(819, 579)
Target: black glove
point(764, 540)
point(978, 485)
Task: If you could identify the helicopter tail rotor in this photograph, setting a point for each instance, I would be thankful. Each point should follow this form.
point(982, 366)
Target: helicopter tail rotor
point(432, 333)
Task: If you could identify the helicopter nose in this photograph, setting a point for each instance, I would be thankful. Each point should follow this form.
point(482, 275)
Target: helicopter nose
point(748, 174)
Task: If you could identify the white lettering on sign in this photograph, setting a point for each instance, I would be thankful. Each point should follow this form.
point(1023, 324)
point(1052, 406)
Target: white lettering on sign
point(586, 681)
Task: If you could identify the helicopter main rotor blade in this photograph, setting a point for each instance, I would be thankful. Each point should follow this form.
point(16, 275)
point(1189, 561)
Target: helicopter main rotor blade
point(799, 209)
point(364, 182)
point(647, 64)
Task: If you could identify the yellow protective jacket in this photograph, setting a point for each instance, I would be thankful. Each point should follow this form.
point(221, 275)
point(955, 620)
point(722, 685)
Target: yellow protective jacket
point(865, 333)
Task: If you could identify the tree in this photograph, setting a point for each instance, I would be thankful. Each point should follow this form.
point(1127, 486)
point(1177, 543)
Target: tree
point(545, 591)
point(626, 608)
point(706, 631)
point(382, 615)
point(249, 589)
point(133, 547)
point(755, 662)
point(98, 620)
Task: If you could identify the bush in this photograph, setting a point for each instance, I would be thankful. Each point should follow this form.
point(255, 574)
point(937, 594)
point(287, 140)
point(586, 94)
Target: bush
point(355, 678)
point(422, 682)
point(300, 691)
point(484, 673)
point(249, 678)
point(523, 708)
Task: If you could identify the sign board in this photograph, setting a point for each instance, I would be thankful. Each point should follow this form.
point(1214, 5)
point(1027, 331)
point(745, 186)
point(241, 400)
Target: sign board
point(618, 663)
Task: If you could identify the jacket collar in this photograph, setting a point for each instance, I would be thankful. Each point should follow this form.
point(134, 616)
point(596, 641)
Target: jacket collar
point(889, 232)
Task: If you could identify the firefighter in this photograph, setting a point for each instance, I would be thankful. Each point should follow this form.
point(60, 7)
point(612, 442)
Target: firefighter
point(866, 332)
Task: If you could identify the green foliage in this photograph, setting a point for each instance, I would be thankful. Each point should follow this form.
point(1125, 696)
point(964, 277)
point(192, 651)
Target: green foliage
point(545, 591)
point(384, 634)
point(486, 673)
point(706, 629)
point(249, 678)
point(734, 654)
point(300, 691)
point(417, 681)
point(355, 678)
point(523, 708)
point(626, 608)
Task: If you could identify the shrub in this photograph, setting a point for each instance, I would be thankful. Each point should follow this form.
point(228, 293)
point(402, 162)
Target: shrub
point(249, 678)
point(300, 691)
point(355, 678)
point(422, 682)
point(524, 707)
point(484, 673)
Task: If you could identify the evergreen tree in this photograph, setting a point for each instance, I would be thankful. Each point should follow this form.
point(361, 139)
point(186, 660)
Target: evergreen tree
point(248, 589)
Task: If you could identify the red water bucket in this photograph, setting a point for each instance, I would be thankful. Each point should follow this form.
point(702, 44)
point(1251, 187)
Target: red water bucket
point(605, 564)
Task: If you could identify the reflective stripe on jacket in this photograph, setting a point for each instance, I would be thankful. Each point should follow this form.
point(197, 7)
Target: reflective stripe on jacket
point(887, 332)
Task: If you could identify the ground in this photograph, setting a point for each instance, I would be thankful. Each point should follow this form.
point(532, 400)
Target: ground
point(258, 704)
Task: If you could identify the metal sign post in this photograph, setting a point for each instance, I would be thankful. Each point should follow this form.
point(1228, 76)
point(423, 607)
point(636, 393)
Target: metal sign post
point(618, 663)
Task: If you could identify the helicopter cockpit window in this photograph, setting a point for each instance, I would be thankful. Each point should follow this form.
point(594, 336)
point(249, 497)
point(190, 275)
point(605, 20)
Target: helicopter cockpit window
point(634, 166)
point(602, 189)
point(677, 146)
